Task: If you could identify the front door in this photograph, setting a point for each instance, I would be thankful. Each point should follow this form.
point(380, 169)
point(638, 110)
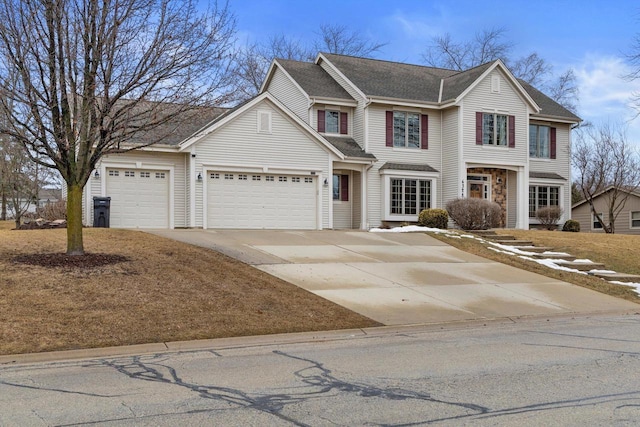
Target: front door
point(478, 186)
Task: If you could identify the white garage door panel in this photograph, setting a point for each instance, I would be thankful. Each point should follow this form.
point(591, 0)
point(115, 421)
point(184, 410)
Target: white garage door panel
point(261, 201)
point(139, 198)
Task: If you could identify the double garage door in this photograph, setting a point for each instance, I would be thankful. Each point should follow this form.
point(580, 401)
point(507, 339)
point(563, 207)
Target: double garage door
point(139, 198)
point(256, 201)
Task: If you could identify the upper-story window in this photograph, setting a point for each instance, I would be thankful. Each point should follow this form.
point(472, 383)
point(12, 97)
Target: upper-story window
point(407, 130)
point(332, 121)
point(542, 142)
point(495, 129)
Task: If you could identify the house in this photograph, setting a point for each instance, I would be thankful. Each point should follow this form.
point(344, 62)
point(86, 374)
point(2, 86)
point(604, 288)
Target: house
point(627, 221)
point(348, 142)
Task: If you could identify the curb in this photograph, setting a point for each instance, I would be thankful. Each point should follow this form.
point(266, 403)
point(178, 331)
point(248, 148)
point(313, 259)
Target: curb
point(280, 339)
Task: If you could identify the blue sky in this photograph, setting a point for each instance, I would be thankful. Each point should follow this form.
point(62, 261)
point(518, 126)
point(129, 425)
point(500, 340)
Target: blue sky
point(592, 37)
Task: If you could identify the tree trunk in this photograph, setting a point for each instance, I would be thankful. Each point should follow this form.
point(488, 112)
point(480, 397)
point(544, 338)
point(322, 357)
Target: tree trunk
point(3, 214)
point(75, 245)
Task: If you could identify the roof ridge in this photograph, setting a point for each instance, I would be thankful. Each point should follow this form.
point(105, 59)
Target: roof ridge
point(389, 62)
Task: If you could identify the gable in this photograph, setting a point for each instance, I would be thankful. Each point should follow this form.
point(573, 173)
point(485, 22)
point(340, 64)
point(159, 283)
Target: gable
point(263, 134)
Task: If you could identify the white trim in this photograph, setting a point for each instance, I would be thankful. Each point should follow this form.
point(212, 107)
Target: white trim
point(388, 174)
point(631, 227)
point(192, 187)
point(269, 76)
point(334, 101)
point(259, 121)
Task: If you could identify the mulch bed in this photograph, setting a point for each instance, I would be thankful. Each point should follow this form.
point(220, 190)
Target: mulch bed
point(76, 261)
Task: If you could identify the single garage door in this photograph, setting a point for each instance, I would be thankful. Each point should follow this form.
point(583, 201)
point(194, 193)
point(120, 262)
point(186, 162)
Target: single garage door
point(249, 200)
point(139, 198)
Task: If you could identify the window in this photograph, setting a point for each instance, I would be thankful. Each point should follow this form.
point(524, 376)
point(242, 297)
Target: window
point(541, 196)
point(269, 178)
point(635, 219)
point(129, 174)
point(539, 141)
point(494, 129)
point(161, 175)
point(595, 224)
point(295, 179)
point(409, 196)
point(145, 174)
point(228, 176)
point(214, 176)
point(332, 121)
point(282, 179)
point(114, 173)
point(406, 129)
point(242, 177)
point(308, 179)
point(256, 177)
point(341, 188)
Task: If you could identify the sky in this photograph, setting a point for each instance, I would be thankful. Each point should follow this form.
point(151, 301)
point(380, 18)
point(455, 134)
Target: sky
point(591, 37)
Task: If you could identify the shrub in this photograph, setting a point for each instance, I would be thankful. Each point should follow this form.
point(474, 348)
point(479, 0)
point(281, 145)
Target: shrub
point(434, 218)
point(549, 216)
point(571, 225)
point(53, 211)
point(475, 214)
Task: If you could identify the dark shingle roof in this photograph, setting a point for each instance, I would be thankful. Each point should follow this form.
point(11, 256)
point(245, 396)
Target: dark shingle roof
point(396, 80)
point(315, 81)
point(545, 175)
point(423, 167)
point(391, 79)
point(178, 128)
point(349, 147)
point(548, 107)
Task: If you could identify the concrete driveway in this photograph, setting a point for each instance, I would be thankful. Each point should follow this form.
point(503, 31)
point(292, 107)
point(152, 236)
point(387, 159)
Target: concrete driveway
point(399, 279)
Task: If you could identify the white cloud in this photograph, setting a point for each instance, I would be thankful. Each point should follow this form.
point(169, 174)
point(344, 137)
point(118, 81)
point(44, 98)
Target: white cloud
point(605, 94)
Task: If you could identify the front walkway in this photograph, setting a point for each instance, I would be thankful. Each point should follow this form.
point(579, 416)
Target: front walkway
point(399, 279)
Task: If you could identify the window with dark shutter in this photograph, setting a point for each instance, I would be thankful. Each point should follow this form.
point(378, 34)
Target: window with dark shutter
point(478, 128)
point(343, 124)
point(344, 188)
point(552, 138)
point(321, 121)
point(389, 129)
point(424, 132)
point(512, 131)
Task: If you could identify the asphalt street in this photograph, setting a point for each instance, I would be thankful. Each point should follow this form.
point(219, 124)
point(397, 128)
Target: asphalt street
point(555, 371)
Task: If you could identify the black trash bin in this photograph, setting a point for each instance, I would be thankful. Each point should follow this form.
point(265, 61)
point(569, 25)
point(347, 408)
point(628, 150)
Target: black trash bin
point(101, 206)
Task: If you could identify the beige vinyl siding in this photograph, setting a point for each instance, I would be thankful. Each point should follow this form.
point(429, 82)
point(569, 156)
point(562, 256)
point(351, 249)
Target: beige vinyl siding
point(508, 101)
point(384, 154)
point(451, 182)
point(239, 144)
point(289, 94)
point(152, 160)
point(562, 163)
point(342, 214)
point(582, 214)
point(187, 188)
point(356, 188)
point(87, 206)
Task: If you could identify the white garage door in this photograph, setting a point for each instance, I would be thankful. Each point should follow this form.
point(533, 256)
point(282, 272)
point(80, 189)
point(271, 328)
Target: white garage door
point(246, 200)
point(139, 198)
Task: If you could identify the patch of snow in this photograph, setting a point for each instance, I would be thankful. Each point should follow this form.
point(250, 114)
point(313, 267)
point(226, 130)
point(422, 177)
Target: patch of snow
point(602, 272)
point(555, 253)
point(586, 261)
point(511, 249)
point(468, 236)
point(548, 262)
point(409, 229)
point(500, 251)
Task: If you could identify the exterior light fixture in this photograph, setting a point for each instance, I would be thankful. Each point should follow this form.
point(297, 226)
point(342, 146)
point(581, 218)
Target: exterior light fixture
point(199, 177)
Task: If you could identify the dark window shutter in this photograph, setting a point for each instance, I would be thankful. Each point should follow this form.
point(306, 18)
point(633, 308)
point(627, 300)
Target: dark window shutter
point(512, 131)
point(343, 124)
point(424, 132)
point(321, 119)
point(344, 188)
point(389, 128)
point(552, 140)
point(478, 128)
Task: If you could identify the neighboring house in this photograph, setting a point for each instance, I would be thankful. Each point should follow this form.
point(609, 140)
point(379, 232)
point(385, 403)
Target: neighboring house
point(351, 142)
point(627, 222)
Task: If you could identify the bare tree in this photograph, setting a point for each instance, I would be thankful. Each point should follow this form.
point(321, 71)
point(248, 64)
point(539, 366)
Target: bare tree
point(93, 76)
point(606, 165)
point(254, 59)
point(490, 45)
point(20, 189)
point(340, 40)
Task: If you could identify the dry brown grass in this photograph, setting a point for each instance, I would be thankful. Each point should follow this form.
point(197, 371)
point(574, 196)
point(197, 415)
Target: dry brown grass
point(168, 291)
point(617, 252)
